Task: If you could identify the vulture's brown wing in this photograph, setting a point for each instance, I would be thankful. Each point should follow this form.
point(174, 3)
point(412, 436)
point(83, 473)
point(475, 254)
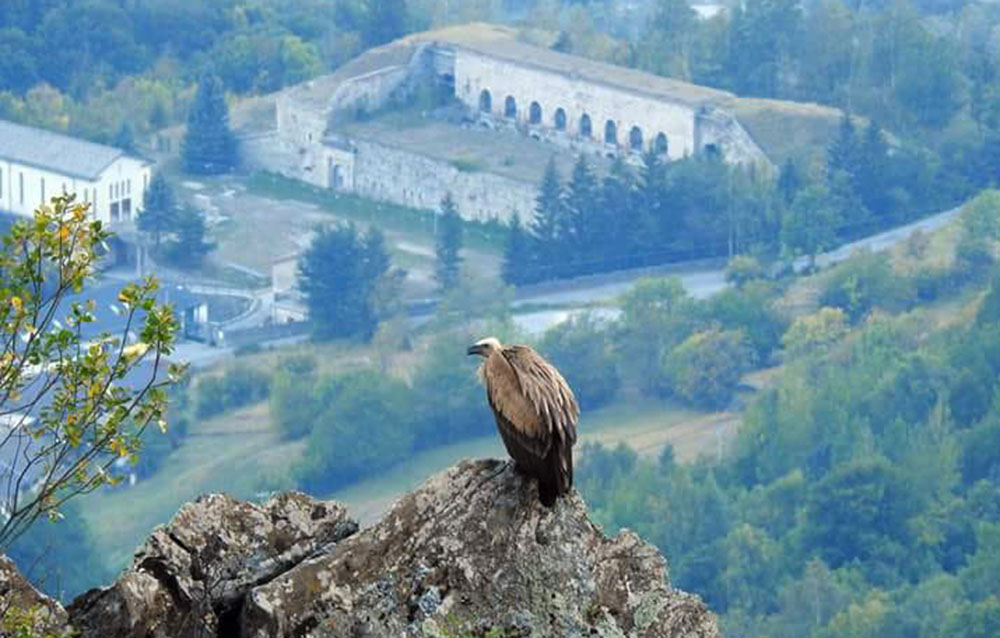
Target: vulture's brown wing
point(518, 420)
point(554, 404)
point(546, 391)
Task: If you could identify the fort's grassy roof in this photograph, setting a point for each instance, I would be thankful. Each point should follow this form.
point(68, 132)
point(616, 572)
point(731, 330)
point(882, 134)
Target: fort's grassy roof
point(502, 43)
point(785, 129)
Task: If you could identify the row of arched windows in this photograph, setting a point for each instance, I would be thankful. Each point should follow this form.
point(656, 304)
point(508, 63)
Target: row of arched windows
point(586, 128)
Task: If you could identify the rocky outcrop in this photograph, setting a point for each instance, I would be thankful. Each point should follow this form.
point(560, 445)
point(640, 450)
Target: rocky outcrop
point(470, 553)
point(44, 615)
point(189, 579)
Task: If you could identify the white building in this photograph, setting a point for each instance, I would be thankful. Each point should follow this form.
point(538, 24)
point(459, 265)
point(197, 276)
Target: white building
point(36, 165)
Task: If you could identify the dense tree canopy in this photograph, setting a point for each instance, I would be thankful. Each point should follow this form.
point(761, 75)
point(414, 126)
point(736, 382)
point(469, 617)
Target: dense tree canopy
point(340, 275)
point(209, 145)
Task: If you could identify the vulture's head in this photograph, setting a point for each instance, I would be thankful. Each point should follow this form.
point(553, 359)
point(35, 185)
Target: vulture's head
point(485, 347)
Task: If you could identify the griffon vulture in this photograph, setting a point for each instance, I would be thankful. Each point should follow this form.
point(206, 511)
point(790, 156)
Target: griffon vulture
point(535, 411)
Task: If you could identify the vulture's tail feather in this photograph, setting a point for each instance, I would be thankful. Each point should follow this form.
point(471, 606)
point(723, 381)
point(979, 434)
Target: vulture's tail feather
point(547, 490)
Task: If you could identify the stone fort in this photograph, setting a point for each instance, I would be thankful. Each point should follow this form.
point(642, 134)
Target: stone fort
point(510, 107)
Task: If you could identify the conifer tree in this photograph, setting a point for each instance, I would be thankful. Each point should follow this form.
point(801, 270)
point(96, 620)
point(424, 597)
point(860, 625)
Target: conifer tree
point(652, 230)
point(789, 181)
point(340, 275)
point(607, 232)
point(209, 147)
point(189, 247)
point(548, 224)
point(517, 267)
point(158, 212)
point(873, 180)
point(125, 138)
point(447, 245)
point(579, 234)
point(842, 154)
point(385, 21)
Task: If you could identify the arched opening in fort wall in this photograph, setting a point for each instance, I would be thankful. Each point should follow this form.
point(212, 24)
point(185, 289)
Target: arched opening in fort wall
point(635, 139)
point(610, 133)
point(560, 119)
point(660, 146)
point(586, 128)
point(510, 107)
point(535, 113)
point(485, 101)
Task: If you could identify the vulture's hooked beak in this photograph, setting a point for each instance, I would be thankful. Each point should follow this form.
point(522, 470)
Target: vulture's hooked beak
point(475, 349)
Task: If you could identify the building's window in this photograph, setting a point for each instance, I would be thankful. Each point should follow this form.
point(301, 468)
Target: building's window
point(111, 191)
point(145, 181)
point(20, 183)
point(586, 129)
point(635, 138)
point(485, 101)
point(535, 113)
point(127, 208)
point(560, 119)
point(128, 187)
point(86, 195)
point(510, 107)
point(114, 211)
point(43, 189)
point(610, 132)
point(1, 182)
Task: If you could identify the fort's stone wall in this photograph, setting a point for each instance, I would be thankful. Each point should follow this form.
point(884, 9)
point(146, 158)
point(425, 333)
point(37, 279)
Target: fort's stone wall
point(476, 73)
point(548, 105)
point(401, 177)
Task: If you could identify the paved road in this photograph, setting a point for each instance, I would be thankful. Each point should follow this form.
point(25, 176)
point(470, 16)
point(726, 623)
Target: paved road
point(701, 279)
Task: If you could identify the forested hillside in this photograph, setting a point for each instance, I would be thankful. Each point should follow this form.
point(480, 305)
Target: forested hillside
point(861, 497)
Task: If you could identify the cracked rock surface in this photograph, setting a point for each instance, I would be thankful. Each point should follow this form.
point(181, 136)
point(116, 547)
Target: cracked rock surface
point(189, 579)
point(471, 553)
point(17, 592)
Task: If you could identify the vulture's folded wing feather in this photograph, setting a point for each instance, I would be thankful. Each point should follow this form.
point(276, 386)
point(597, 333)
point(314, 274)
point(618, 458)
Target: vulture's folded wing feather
point(512, 405)
point(546, 390)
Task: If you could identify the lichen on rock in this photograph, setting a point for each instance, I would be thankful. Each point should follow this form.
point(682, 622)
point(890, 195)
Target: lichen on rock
point(471, 553)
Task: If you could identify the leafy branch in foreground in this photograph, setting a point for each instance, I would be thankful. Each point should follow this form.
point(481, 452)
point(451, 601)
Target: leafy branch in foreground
point(67, 410)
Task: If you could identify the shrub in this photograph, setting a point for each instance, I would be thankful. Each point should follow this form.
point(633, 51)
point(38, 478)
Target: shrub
point(706, 368)
point(865, 281)
point(236, 388)
point(580, 348)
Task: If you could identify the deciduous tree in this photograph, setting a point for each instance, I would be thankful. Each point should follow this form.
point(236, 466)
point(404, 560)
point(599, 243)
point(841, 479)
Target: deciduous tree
point(71, 405)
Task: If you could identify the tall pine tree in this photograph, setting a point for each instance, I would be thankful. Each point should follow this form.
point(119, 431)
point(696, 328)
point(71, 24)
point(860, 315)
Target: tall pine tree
point(548, 224)
point(518, 263)
point(653, 229)
point(158, 214)
point(189, 247)
point(209, 147)
point(580, 234)
point(447, 245)
point(608, 231)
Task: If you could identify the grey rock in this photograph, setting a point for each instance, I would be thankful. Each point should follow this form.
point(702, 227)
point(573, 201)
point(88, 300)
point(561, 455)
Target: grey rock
point(472, 551)
point(189, 578)
point(16, 593)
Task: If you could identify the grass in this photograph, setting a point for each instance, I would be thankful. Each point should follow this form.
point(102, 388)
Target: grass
point(238, 453)
point(485, 237)
point(241, 453)
point(646, 426)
